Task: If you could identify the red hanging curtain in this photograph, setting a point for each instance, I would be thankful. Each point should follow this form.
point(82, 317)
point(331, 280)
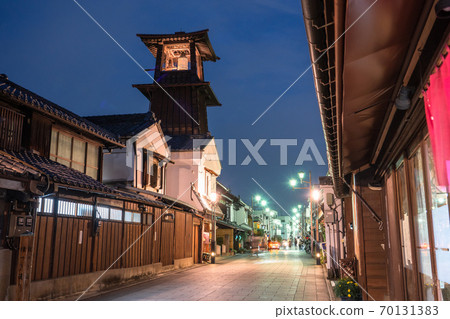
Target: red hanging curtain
point(437, 108)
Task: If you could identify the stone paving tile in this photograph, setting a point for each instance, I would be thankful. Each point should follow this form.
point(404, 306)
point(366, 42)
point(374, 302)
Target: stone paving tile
point(278, 275)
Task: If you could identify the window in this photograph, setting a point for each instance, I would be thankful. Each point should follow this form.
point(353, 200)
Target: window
point(69, 208)
point(423, 250)
point(441, 228)
point(75, 153)
point(115, 214)
point(132, 217)
point(10, 129)
point(84, 210)
point(102, 212)
point(45, 205)
point(405, 234)
point(152, 171)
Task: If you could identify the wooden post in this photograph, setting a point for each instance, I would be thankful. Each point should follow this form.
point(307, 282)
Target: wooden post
point(24, 267)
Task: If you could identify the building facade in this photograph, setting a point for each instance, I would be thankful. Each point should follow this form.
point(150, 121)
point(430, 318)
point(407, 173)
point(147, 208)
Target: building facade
point(384, 106)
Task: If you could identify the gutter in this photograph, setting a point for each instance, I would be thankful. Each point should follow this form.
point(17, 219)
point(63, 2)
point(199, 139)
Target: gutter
point(316, 28)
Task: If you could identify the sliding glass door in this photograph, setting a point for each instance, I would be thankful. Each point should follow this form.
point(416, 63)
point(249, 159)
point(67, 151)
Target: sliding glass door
point(422, 240)
point(441, 228)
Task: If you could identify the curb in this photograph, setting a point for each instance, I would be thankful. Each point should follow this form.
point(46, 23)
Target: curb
point(328, 283)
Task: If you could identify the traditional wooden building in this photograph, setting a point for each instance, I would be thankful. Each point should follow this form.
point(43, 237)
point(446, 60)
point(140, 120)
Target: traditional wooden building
point(381, 76)
point(60, 226)
point(233, 229)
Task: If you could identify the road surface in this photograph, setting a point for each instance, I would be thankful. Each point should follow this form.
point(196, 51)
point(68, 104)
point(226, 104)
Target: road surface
point(275, 275)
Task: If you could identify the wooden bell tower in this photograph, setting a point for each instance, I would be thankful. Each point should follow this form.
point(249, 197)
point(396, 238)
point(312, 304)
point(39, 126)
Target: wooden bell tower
point(179, 76)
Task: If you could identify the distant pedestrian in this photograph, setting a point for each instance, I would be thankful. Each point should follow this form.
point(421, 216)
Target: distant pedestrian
point(256, 241)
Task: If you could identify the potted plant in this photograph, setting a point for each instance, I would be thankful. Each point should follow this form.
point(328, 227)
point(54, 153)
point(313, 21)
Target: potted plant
point(347, 289)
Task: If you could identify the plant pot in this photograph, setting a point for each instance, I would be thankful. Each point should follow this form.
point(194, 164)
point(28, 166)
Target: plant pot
point(345, 298)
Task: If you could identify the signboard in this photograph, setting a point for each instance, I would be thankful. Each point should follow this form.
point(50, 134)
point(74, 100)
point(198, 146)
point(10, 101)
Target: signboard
point(206, 239)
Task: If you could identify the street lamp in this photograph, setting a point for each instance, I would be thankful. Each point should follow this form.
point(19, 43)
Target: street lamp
point(294, 210)
point(267, 209)
point(214, 199)
point(263, 203)
point(301, 175)
point(315, 194)
point(293, 183)
point(257, 198)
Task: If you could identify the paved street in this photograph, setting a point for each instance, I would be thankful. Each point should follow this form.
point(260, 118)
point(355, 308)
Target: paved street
point(276, 275)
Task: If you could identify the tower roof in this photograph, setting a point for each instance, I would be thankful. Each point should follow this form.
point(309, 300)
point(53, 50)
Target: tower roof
point(200, 37)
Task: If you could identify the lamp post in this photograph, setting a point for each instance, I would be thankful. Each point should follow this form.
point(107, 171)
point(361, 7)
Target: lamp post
point(293, 183)
point(213, 197)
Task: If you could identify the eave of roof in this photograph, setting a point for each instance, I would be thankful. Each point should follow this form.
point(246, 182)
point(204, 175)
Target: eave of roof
point(201, 37)
point(12, 91)
point(211, 98)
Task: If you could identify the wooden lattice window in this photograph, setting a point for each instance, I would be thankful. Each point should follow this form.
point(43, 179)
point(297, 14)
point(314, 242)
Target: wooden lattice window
point(75, 153)
point(11, 124)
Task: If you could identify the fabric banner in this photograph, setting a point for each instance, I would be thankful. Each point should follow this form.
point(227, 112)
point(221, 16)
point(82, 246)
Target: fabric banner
point(437, 108)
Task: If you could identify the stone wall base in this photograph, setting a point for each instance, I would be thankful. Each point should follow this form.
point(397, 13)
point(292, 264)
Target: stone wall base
point(70, 288)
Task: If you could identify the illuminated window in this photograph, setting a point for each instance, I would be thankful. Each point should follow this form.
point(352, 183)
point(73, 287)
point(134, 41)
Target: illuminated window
point(115, 214)
point(75, 153)
point(67, 208)
point(102, 212)
point(45, 205)
point(132, 217)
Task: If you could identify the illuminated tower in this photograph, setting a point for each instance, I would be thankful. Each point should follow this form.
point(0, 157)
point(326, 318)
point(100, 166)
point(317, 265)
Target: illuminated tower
point(179, 76)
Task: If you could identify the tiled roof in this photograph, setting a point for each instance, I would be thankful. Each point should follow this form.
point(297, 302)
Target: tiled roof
point(21, 163)
point(186, 142)
point(10, 166)
point(131, 196)
point(124, 125)
point(59, 173)
point(15, 92)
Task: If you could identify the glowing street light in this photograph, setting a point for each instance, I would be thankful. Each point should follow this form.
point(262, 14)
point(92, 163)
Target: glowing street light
point(301, 175)
point(267, 209)
point(293, 182)
point(315, 194)
point(298, 214)
point(263, 202)
point(257, 198)
point(294, 210)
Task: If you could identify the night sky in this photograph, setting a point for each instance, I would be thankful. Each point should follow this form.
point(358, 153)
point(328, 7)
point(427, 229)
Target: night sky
point(54, 49)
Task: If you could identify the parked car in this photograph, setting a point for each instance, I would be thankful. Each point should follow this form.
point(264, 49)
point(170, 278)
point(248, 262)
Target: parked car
point(274, 245)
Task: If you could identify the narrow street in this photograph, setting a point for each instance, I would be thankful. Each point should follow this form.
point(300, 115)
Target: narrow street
point(276, 275)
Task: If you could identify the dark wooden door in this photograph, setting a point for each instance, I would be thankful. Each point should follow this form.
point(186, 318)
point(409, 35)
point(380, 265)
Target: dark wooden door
point(167, 243)
point(196, 244)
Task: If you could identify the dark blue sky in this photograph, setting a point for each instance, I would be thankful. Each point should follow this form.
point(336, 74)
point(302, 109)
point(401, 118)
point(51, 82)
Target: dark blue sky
point(55, 50)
